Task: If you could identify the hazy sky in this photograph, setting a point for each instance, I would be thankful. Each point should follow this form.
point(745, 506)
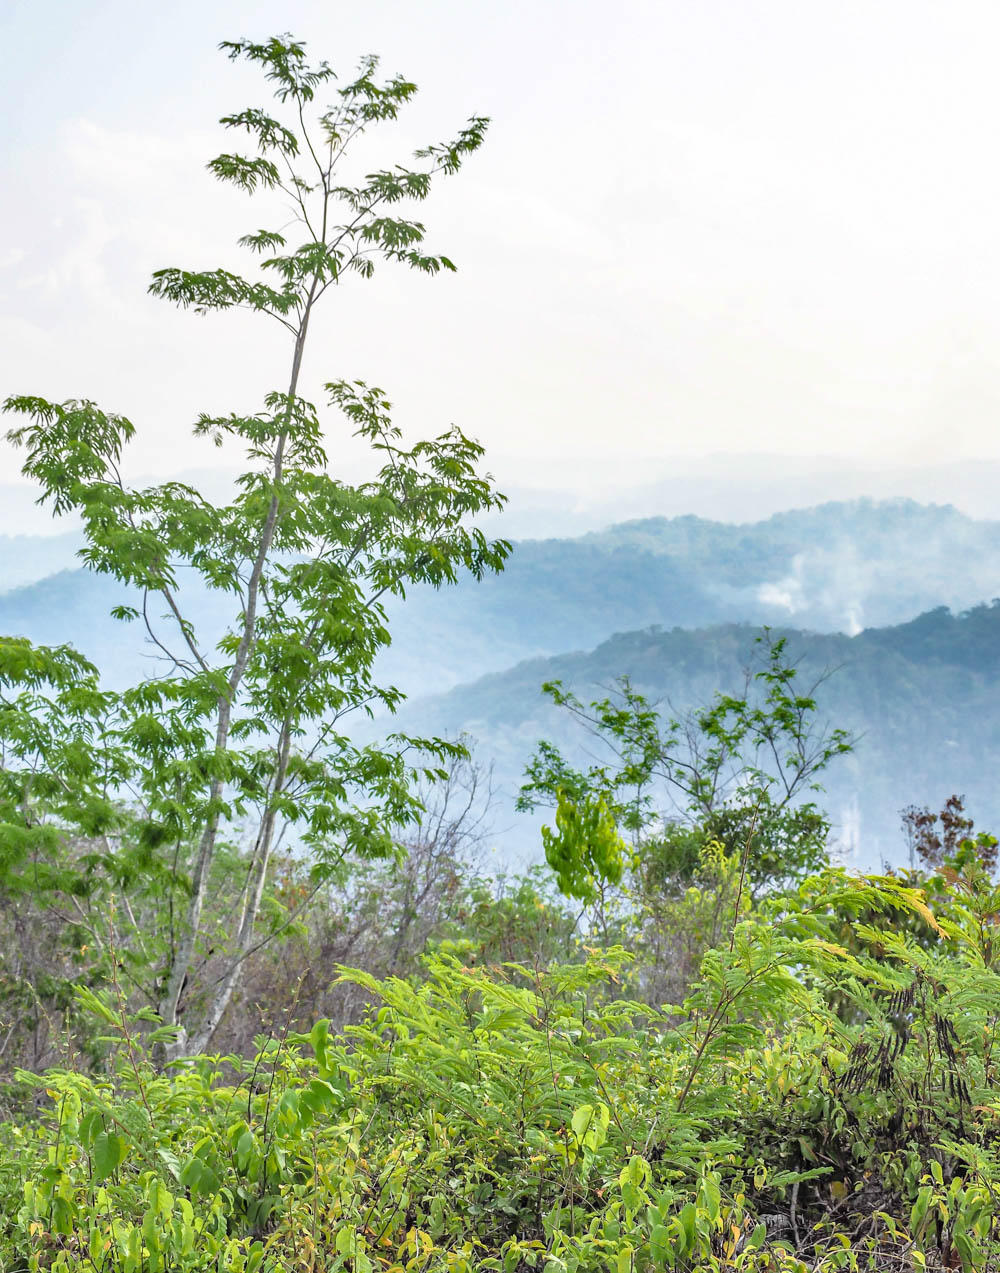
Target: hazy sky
point(696, 226)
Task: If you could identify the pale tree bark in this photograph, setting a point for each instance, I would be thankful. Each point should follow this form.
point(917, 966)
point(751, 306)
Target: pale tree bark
point(184, 953)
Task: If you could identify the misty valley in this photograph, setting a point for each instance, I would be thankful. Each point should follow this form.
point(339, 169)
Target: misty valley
point(891, 603)
point(383, 891)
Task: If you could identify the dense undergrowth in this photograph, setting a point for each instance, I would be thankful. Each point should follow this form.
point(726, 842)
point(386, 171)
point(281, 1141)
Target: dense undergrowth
point(712, 1052)
point(824, 1098)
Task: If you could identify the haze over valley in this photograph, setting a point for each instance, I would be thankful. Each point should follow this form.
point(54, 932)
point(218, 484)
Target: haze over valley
point(499, 637)
point(891, 596)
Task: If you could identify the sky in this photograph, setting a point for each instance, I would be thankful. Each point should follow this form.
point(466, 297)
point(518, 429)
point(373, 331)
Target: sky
point(698, 228)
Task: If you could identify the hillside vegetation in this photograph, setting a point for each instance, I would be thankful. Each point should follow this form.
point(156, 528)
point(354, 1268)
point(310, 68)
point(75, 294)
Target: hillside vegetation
point(821, 1095)
point(262, 1006)
point(922, 699)
point(833, 568)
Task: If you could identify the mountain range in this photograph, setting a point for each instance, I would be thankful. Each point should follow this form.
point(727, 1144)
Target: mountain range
point(673, 602)
point(922, 700)
point(838, 567)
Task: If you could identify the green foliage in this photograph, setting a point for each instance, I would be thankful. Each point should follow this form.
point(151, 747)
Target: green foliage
point(245, 737)
point(738, 769)
point(585, 849)
point(485, 1118)
point(819, 1094)
point(628, 579)
point(512, 920)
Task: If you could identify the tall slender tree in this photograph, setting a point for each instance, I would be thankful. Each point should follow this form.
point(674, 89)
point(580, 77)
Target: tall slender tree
point(249, 734)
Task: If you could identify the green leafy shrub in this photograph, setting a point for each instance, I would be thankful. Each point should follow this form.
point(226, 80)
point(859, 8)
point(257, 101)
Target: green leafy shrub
point(512, 1117)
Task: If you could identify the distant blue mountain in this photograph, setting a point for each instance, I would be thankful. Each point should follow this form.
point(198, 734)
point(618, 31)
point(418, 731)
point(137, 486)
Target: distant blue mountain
point(836, 567)
point(674, 603)
point(923, 699)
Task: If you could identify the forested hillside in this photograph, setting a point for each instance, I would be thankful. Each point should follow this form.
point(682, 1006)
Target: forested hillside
point(922, 697)
point(267, 1002)
point(837, 567)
